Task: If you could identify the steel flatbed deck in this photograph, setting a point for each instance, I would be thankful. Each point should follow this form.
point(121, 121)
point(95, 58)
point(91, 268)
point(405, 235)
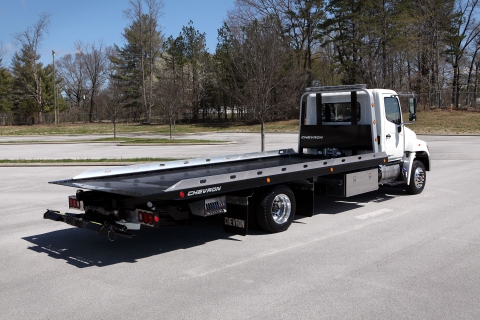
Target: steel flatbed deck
point(190, 179)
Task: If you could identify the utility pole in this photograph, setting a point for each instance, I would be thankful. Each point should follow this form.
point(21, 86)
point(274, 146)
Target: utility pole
point(54, 91)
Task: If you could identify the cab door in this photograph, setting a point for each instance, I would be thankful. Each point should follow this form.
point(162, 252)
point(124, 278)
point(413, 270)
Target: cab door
point(393, 129)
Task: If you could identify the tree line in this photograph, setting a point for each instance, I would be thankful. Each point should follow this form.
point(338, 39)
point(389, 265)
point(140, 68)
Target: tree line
point(267, 52)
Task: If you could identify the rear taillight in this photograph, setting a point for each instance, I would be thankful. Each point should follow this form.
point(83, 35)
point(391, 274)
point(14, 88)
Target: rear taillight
point(74, 203)
point(147, 217)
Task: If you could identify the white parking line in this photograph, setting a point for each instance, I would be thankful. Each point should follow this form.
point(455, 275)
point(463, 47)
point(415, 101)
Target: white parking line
point(373, 214)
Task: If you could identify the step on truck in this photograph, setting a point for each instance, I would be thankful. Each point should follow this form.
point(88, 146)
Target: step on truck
point(351, 140)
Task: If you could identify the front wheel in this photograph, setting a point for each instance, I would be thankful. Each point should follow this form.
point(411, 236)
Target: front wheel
point(276, 210)
point(418, 178)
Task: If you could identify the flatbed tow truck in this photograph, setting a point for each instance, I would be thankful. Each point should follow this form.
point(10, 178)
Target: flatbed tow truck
point(351, 141)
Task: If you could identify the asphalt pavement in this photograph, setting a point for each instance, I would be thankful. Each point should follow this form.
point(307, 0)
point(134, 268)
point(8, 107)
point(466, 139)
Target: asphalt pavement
point(381, 255)
point(54, 147)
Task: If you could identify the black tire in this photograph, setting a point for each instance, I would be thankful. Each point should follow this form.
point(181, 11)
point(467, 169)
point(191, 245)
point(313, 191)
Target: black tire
point(276, 209)
point(418, 178)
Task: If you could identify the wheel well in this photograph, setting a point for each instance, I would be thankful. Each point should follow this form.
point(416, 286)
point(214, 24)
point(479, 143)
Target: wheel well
point(423, 157)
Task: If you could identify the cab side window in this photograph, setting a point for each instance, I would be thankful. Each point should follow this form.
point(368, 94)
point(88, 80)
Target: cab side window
point(392, 110)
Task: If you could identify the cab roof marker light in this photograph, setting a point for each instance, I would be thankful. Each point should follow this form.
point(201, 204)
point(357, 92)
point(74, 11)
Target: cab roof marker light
point(334, 88)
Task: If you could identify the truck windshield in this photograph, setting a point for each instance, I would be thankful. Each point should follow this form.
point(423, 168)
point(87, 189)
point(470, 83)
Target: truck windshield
point(338, 112)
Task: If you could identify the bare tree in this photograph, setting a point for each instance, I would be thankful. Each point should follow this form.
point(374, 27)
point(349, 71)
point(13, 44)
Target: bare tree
point(71, 69)
point(171, 97)
point(265, 77)
point(93, 57)
point(467, 30)
point(297, 22)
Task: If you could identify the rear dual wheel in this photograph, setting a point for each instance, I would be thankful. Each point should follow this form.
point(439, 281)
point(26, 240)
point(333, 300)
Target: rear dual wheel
point(276, 209)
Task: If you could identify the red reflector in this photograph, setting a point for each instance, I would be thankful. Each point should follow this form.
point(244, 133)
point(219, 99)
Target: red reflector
point(73, 203)
point(156, 219)
point(140, 216)
point(182, 194)
point(150, 218)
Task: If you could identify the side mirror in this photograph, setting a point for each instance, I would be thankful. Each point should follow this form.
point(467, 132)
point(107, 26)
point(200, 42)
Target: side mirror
point(413, 108)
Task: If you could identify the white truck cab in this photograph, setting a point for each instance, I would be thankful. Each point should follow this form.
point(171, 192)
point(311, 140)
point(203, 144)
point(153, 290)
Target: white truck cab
point(353, 120)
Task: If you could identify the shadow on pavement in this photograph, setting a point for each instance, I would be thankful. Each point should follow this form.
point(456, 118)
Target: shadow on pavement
point(334, 205)
point(83, 248)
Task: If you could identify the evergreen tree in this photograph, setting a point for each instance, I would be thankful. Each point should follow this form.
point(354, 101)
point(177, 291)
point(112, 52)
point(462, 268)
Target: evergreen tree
point(135, 62)
point(30, 78)
point(223, 65)
point(196, 58)
point(32, 87)
point(5, 90)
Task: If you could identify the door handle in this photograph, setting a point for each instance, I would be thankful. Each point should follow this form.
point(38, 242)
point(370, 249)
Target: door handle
point(388, 136)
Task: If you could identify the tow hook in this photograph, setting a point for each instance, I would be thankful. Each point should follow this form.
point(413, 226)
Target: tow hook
point(110, 229)
point(111, 235)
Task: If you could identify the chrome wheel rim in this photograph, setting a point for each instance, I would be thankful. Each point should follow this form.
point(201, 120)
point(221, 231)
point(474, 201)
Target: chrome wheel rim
point(281, 208)
point(419, 178)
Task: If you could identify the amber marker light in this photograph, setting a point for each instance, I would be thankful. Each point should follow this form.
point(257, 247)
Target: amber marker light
point(268, 180)
point(331, 169)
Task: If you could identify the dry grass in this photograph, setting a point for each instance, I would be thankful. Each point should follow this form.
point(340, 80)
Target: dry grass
point(447, 122)
point(428, 122)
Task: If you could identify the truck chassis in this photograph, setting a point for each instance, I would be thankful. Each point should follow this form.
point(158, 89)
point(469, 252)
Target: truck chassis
point(255, 189)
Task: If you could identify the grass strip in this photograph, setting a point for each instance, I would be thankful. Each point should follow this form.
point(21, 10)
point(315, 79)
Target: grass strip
point(158, 141)
point(440, 121)
point(103, 160)
point(107, 128)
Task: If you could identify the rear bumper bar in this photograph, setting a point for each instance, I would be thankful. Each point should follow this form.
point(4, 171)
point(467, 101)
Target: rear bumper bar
point(78, 220)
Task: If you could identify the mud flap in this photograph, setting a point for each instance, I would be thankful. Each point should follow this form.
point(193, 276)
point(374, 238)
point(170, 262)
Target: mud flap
point(304, 197)
point(407, 167)
point(235, 220)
